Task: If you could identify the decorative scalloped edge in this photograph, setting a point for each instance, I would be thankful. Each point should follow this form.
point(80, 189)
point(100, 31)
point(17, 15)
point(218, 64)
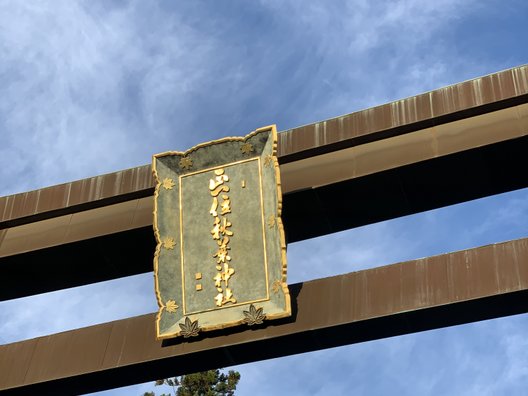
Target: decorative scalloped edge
point(286, 291)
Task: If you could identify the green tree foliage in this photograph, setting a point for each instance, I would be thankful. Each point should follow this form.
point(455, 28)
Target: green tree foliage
point(206, 383)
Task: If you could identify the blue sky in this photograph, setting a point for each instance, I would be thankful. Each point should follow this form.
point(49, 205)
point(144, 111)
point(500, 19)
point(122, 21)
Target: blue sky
point(90, 87)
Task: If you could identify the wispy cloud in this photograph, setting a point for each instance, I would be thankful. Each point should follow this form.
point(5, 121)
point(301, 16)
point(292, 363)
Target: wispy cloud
point(69, 309)
point(93, 87)
point(368, 53)
point(84, 87)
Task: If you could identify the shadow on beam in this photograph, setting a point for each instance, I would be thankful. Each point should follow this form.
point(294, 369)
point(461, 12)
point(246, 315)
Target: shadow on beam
point(431, 184)
point(394, 325)
point(78, 263)
point(424, 294)
point(410, 189)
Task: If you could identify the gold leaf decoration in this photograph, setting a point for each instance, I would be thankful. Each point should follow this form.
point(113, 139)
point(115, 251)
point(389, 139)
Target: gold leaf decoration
point(253, 316)
point(169, 243)
point(189, 328)
point(168, 183)
point(271, 221)
point(171, 306)
point(276, 286)
point(267, 160)
point(186, 163)
point(247, 148)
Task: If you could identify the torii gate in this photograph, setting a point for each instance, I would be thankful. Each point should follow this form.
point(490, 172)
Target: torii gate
point(451, 145)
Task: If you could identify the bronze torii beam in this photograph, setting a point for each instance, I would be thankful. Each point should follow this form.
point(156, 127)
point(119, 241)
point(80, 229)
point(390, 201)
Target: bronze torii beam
point(417, 295)
point(447, 146)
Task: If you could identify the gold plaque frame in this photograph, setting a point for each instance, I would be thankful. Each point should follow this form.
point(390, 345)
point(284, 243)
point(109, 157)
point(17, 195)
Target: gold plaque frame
point(251, 159)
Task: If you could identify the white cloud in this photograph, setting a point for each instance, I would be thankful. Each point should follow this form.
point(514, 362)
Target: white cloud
point(89, 90)
point(374, 52)
point(92, 87)
point(69, 309)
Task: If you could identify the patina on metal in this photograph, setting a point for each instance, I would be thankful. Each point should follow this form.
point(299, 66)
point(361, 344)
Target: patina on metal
point(220, 259)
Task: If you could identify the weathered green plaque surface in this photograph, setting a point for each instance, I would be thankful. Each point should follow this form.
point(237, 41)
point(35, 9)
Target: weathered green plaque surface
point(220, 259)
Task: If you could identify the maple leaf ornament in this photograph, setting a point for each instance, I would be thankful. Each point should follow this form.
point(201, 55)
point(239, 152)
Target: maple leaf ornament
point(186, 163)
point(169, 243)
point(171, 306)
point(254, 316)
point(247, 148)
point(189, 328)
point(168, 183)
